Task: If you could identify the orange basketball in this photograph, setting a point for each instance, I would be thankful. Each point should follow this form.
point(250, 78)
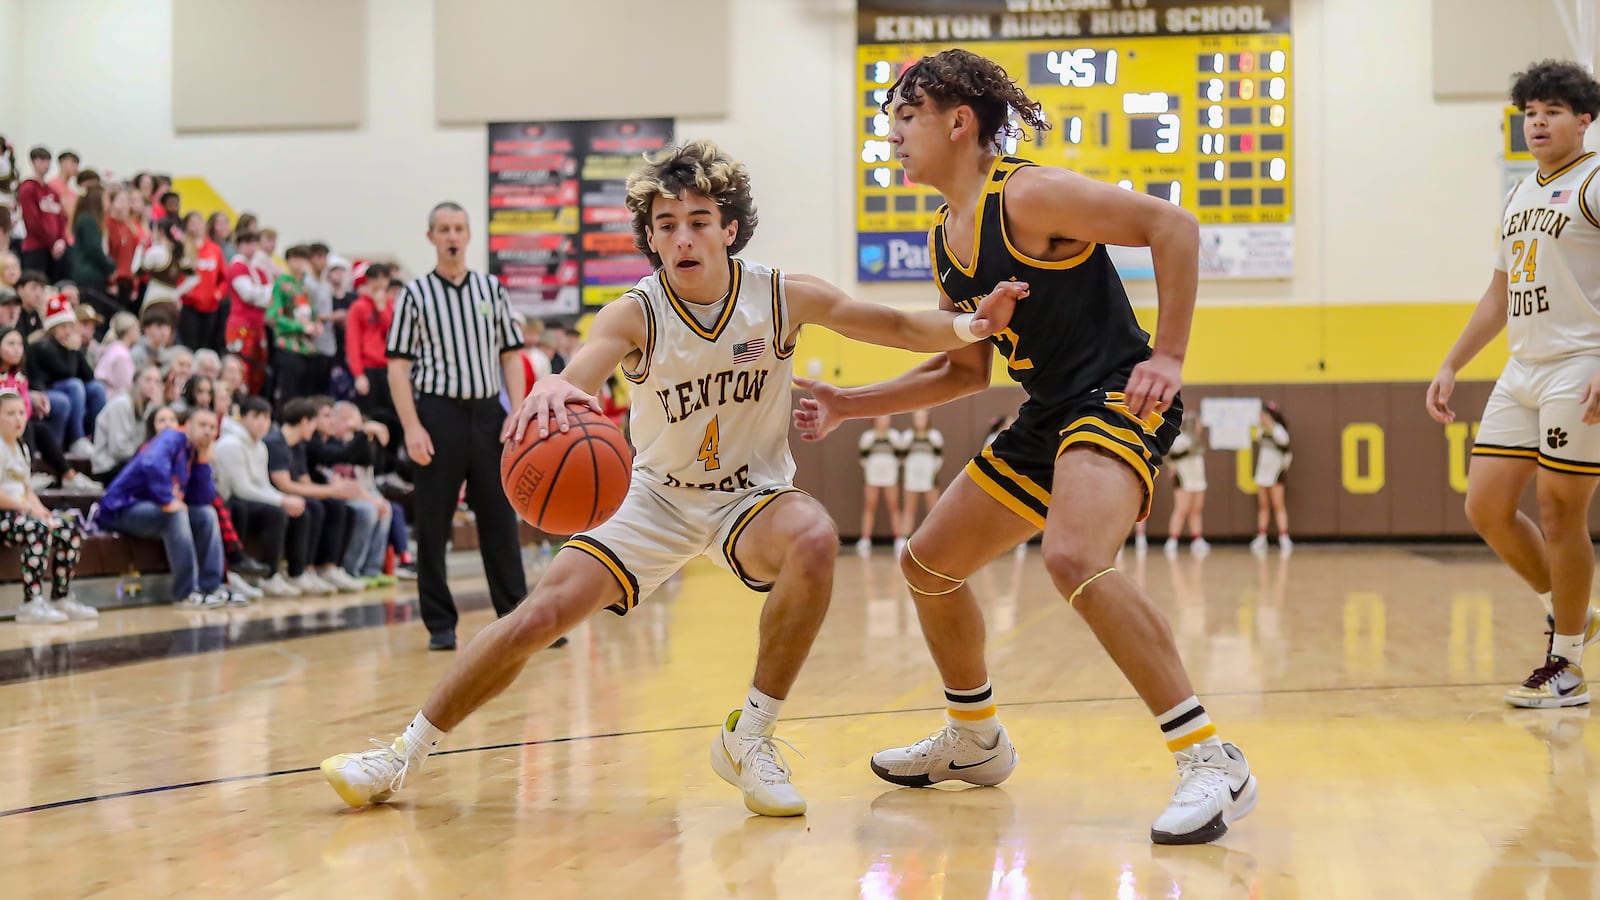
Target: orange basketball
point(570, 481)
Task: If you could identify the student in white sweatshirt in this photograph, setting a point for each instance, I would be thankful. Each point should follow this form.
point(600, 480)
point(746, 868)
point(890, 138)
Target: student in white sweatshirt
point(260, 511)
point(119, 431)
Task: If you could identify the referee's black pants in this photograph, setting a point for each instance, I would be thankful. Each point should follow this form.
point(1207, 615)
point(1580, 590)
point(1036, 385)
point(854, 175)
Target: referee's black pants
point(466, 448)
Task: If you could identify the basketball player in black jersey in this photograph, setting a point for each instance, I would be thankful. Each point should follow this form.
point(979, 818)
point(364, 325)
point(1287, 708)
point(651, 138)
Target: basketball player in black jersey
point(1078, 463)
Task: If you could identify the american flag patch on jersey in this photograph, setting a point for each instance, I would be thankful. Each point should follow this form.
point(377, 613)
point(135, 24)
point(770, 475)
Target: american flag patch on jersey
point(1561, 196)
point(749, 351)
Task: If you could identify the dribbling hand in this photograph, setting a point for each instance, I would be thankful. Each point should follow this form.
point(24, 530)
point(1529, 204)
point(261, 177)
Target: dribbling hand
point(818, 414)
point(1439, 391)
point(546, 406)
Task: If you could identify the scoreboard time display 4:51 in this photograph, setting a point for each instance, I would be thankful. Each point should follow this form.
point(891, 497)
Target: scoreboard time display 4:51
point(1191, 103)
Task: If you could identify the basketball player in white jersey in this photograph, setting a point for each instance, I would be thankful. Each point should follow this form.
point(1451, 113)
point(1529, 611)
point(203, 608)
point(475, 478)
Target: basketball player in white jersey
point(707, 340)
point(1540, 423)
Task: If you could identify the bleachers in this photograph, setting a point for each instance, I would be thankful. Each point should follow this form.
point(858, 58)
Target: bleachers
point(103, 555)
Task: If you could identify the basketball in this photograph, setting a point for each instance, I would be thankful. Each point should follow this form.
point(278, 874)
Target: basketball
point(570, 481)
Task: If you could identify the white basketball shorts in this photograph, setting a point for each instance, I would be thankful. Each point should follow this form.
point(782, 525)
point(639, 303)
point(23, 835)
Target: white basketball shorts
point(658, 529)
point(1536, 412)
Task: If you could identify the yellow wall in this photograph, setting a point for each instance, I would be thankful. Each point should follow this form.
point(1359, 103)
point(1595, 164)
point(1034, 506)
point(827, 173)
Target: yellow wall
point(198, 194)
point(1300, 344)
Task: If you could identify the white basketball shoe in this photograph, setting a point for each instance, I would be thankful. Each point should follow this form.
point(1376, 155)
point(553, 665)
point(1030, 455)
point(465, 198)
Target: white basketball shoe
point(371, 776)
point(757, 768)
point(949, 754)
point(1215, 788)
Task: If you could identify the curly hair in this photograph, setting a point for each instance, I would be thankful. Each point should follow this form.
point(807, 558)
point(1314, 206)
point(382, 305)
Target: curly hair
point(963, 78)
point(1554, 81)
point(699, 167)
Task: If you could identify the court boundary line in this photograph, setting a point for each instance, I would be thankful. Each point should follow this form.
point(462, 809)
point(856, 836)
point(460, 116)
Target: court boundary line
point(574, 738)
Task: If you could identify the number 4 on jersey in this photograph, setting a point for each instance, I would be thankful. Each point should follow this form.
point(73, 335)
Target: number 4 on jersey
point(708, 447)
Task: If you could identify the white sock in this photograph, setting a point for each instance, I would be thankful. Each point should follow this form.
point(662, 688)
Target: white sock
point(421, 738)
point(759, 716)
point(1568, 646)
point(1549, 607)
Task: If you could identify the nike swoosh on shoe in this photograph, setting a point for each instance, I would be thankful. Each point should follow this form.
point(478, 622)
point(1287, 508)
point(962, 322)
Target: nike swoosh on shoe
point(956, 768)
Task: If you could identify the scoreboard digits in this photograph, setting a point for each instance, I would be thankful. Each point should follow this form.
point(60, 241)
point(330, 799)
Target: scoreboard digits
point(1201, 120)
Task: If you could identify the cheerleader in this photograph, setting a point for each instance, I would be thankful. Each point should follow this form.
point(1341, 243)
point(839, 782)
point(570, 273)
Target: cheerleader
point(1189, 499)
point(880, 460)
point(924, 455)
point(1272, 463)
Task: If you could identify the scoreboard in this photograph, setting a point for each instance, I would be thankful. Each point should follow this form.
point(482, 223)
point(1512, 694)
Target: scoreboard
point(1155, 97)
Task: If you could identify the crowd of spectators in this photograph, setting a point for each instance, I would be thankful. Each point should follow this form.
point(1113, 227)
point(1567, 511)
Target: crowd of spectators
point(213, 391)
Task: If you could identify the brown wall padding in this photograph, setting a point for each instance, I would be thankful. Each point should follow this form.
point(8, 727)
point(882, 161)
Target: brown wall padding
point(1416, 499)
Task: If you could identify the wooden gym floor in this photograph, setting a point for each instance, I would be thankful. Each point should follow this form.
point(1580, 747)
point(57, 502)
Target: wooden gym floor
point(1364, 684)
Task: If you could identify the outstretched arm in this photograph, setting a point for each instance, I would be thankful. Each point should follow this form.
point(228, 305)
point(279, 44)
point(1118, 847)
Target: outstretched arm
point(945, 377)
point(814, 301)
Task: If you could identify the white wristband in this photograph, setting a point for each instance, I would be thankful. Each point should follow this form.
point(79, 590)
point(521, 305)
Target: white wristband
point(963, 326)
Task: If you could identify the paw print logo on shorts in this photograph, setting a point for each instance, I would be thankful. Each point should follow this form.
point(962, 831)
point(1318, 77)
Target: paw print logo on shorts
point(1555, 437)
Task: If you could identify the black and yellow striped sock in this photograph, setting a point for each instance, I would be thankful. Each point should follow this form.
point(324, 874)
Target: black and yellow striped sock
point(1185, 725)
point(973, 709)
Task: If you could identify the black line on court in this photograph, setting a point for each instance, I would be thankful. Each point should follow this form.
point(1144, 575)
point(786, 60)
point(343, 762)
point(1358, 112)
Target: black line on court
point(37, 663)
point(159, 789)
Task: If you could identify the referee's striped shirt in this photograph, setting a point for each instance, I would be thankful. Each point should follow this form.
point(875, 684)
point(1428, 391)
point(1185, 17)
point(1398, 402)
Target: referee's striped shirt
point(454, 335)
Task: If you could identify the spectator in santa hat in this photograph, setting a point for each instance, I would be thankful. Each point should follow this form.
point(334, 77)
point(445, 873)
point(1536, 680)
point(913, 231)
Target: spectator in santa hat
point(58, 366)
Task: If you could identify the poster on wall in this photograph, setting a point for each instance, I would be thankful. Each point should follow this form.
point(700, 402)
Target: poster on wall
point(1185, 100)
point(560, 237)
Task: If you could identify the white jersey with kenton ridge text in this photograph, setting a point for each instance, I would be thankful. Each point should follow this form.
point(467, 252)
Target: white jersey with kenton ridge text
point(712, 407)
point(1550, 252)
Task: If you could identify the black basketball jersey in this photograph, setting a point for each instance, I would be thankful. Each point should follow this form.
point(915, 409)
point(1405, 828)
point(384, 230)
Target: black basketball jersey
point(1075, 327)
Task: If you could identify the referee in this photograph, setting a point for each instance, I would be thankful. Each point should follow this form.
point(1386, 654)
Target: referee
point(451, 339)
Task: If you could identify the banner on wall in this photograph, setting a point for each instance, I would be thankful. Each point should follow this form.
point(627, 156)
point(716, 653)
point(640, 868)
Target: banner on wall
point(560, 237)
point(1188, 101)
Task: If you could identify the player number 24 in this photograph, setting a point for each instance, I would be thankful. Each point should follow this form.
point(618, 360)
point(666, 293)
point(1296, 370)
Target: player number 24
point(1523, 268)
point(708, 447)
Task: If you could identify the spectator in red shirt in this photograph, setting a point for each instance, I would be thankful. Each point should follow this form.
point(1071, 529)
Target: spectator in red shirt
point(66, 184)
point(44, 247)
point(366, 330)
point(248, 291)
point(126, 238)
point(205, 311)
